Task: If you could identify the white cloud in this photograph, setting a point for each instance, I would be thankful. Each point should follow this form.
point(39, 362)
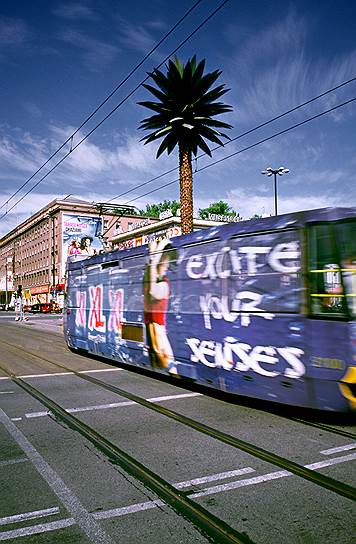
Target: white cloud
point(23, 154)
point(272, 62)
point(247, 203)
point(13, 31)
point(95, 53)
point(75, 11)
point(134, 155)
point(128, 164)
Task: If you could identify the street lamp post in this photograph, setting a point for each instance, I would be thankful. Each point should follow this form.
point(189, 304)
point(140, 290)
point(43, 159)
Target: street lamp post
point(280, 171)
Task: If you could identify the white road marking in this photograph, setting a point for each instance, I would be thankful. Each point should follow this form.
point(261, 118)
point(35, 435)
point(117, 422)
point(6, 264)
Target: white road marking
point(43, 413)
point(173, 397)
point(339, 449)
point(63, 373)
point(84, 519)
point(270, 476)
point(101, 407)
point(100, 370)
point(214, 477)
point(6, 392)
point(49, 375)
point(16, 419)
point(241, 483)
point(38, 414)
point(132, 509)
point(330, 462)
point(125, 510)
point(46, 375)
point(13, 461)
point(29, 515)
point(37, 529)
point(117, 512)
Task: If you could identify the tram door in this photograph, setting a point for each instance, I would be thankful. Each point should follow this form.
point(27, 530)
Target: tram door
point(332, 267)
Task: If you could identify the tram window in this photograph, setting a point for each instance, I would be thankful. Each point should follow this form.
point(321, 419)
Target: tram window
point(266, 267)
point(346, 240)
point(326, 287)
point(132, 331)
point(110, 264)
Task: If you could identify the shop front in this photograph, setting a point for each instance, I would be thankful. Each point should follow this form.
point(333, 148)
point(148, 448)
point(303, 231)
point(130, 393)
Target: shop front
point(40, 294)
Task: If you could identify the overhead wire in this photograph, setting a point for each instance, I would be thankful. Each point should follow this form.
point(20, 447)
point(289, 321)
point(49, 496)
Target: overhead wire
point(232, 140)
point(70, 138)
point(242, 135)
point(109, 114)
point(248, 147)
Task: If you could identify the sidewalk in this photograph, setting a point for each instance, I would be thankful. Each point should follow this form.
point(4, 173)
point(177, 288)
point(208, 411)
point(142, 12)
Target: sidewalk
point(52, 325)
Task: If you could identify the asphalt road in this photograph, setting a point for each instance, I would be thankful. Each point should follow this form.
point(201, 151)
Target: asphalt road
point(57, 487)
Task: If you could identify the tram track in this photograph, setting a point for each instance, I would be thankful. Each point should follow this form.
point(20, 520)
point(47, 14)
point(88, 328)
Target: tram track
point(307, 474)
point(210, 526)
point(318, 425)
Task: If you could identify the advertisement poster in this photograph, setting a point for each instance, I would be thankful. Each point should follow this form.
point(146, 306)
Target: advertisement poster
point(80, 235)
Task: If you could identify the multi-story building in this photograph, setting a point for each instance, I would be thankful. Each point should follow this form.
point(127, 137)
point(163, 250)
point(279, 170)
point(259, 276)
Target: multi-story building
point(33, 255)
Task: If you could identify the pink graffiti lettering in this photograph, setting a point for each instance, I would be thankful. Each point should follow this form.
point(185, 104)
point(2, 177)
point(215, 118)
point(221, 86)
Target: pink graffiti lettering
point(116, 303)
point(97, 320)
point(80, 320)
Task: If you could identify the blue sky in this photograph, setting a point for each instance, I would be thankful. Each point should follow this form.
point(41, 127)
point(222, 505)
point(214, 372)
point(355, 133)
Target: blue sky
point(60, 60)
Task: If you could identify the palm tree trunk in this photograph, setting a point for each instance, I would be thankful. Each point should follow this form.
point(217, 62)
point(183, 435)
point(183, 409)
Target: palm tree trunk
point(186, 189)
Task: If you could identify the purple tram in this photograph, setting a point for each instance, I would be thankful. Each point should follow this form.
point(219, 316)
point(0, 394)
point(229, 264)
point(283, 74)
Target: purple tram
point(262, 308)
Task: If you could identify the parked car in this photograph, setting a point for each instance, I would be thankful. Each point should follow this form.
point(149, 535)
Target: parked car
point(43, 307)
point(6, 308)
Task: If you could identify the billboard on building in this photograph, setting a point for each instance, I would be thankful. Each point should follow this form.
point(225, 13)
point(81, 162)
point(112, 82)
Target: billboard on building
point(80, 235)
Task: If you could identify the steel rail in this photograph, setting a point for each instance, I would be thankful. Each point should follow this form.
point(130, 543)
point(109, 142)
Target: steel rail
point(315, 477)
point(322, 426)
point(207, 523)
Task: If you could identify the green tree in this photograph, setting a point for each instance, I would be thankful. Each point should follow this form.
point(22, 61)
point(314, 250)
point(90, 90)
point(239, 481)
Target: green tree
point(218, 208)
point(184, 118)
point(153, 210)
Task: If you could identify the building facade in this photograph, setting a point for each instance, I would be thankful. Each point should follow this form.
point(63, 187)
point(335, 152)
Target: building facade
point(33, 255)
point(165, 228)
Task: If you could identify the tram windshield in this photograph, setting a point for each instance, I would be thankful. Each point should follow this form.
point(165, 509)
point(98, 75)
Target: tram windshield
point(332, 260)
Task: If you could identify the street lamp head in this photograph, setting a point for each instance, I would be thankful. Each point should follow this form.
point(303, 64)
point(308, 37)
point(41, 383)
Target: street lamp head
point(281, 170)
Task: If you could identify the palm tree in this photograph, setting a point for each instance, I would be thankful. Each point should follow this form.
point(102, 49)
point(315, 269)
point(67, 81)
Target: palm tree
point(183, 117)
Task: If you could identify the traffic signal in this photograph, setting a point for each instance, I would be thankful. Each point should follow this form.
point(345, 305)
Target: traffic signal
point(19, 291)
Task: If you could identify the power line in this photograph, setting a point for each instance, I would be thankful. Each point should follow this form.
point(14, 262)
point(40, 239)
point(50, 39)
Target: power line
point(242, 135)
point(250, 146)
point(232, 140)
point(295, 108)
point(70, 138)
point(173, 169)
point(116, 107)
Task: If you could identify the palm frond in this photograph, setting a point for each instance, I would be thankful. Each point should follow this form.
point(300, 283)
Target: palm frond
point(158, 94)
point(203, 145)
point(186, 107)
